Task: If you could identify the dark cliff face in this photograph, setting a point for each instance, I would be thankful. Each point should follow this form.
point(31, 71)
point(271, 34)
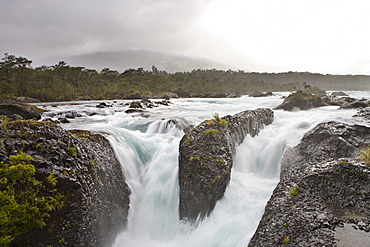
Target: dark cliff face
point(88, 174)
point(322, 188)
point(206, 158)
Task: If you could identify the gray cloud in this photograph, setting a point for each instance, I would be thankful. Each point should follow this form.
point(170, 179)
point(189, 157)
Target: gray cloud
point(327, 36)
point(42, 28)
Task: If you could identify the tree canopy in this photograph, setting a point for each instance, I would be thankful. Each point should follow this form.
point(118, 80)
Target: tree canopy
point(62, 82)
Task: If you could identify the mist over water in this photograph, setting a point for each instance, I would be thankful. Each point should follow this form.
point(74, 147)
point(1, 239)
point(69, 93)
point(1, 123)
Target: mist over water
point(147, 148)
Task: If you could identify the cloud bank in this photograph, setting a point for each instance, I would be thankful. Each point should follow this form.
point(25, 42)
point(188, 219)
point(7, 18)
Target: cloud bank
point(323, 36)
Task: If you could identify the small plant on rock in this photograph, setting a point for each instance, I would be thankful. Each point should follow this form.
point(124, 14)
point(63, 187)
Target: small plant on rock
point(216, 117)
point(286, 241)
point(211, 133)
point(293, 192)
point(365, 155)
point(223, 123)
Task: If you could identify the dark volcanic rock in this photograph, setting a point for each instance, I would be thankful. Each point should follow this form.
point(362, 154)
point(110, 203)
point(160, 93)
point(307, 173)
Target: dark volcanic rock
point(364, 113)
point(134, 110)
point(326, 142)
point(338, 94)
point(356, 104)
point(135, 104)
point(103, 105)
point(300, 100)
point(205, 159)
point(345, 102)
point(321, 188)
point(260, 94)
point(26, 111)
point(89, 176)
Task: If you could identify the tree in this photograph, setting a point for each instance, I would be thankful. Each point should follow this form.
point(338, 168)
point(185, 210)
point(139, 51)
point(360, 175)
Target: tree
point(10, 64)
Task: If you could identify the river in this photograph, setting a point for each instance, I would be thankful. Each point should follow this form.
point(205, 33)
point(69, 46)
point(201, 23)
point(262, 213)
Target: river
point(147, 148)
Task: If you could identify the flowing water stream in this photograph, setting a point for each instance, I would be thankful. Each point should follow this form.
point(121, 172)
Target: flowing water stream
point(147, 148)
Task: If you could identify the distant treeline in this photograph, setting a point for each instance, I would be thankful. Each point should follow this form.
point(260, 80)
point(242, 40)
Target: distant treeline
point(62, 82)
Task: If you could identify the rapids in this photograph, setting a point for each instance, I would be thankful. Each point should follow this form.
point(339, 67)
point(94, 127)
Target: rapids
point(147, 148)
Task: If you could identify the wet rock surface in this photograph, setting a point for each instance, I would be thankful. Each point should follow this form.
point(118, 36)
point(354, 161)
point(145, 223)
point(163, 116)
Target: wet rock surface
point(24, 110)
point(322, 188)
point(304, 100)
point(205, 159)
point(364, 113)
point(89, 176)
point(300, 100)
point(260, 94)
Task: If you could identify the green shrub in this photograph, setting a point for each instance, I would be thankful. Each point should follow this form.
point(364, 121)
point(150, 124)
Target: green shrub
point(216, 117)
point(223, 123)
point(211, 133)
point(25, 202)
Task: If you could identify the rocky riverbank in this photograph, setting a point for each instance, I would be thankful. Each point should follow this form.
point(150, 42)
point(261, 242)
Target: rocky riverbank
point(85, 172)
point(323, 193)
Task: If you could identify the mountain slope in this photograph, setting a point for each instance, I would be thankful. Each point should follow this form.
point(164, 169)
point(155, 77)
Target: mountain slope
point(122, 60)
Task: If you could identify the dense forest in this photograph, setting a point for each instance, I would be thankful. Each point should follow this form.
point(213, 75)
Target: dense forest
point(61, 82)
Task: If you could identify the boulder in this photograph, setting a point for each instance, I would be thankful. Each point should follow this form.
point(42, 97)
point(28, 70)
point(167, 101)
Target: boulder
point(24, 110)
point(338, 94)
point(147, 103)
point(133, 110)
point(356, 104)
point(88, 175)
point(103, 105)
point(135, 104)
point(322, 187)
point(63, 114)
point(260, 94)
point(206, 158)
point(364, 113)
point(300, 100)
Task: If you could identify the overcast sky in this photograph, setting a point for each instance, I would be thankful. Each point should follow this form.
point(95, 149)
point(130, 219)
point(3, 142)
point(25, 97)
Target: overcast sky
point(325, 36)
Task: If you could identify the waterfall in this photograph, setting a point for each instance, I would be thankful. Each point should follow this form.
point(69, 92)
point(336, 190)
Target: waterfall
point(147, 149)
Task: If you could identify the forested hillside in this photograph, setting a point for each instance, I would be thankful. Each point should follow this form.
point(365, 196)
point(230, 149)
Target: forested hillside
point(62, 82)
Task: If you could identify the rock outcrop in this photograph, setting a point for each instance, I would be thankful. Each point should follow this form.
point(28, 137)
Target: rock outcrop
point(260, 94)
point(205, 159)
point(322, 189)
point(306, 99)
point(88, 175)
point(300, 100)
point(24, 110)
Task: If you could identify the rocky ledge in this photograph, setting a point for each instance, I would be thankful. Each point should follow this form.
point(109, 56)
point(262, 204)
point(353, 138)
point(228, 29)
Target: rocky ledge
point(205, 159)
point(323, 194)
point(94, 198)
point(309, 98)
point(17, 110)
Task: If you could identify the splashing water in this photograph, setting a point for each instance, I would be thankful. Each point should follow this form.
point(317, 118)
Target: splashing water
point(147, 148)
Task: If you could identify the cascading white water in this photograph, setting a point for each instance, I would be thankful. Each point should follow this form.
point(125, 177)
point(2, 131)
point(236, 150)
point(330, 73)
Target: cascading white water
point(148, 152)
